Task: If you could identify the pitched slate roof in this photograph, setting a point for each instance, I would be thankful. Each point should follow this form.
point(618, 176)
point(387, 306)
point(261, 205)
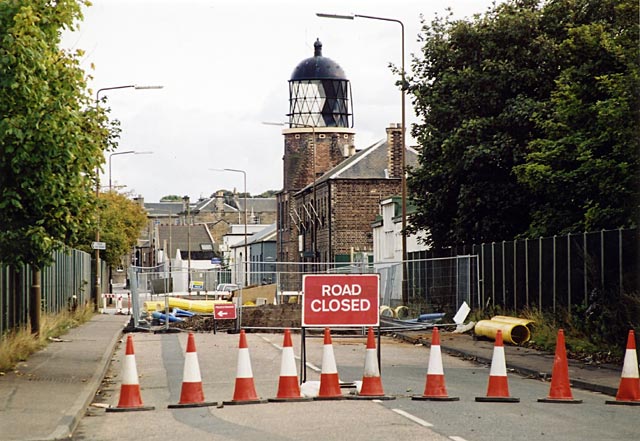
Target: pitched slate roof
point(368, 163)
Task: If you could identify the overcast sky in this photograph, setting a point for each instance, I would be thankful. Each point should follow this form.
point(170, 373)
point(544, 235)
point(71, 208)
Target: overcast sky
point(224, 66)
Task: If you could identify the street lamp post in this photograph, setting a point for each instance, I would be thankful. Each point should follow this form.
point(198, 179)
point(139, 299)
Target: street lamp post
point(405, 293)
point(97, 236)
point(128, 152)
point(246, 256)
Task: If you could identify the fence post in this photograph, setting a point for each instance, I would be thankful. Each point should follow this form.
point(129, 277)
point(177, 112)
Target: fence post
point(620, 260)
point(526, 271)
point(504, 279)
point(515, 276)
point(493, 272)
point(540, 274)
point(602, 260)
point(584, 267)
point(553, 272)
point(569, 273)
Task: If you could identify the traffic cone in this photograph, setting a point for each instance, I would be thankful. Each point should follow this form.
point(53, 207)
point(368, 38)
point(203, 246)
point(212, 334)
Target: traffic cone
point(435, 388)
point(130, 398)
point(629, 389)
point(329, 380)
point(371, 381)
point(560, 390)
point(191, 394)
point(245, 390)
point(498, 389)
point(288, 386)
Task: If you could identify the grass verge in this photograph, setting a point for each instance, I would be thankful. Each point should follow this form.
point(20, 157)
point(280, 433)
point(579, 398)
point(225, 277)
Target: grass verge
point(18, 344)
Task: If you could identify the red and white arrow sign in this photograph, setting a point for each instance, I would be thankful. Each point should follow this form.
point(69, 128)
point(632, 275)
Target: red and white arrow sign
point(225, 311)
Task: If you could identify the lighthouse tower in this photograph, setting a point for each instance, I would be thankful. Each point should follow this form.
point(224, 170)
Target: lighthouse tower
point(319, 137)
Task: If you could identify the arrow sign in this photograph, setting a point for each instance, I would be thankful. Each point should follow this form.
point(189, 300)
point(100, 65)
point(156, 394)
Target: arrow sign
point(224, 311)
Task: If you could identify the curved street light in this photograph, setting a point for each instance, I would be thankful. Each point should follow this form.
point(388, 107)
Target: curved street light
point(246, 257)
point(405, 292)
point(128, 152)
point(97, 236)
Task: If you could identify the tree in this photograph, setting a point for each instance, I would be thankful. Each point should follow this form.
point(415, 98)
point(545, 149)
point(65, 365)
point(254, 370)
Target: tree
point(51, 137)
point(475, 88)
point(121, 221)
point(171, 198)
point(584, 168)
point(529, 121)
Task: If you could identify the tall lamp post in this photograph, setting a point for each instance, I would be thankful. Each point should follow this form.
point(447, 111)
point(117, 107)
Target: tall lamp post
point(128, 152)
point(405, 292)
point(97, 236)
point(246, 256)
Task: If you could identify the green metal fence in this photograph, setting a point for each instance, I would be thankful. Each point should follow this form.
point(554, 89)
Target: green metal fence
point(69, 274)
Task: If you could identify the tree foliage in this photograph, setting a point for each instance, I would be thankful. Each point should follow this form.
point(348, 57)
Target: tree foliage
point(583, 170)
point(524, 111)
point(51, 136)
point(121, 221)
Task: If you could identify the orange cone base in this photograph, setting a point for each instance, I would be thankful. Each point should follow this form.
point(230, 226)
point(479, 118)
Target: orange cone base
point(623, 403)
point(497, 400)
point(186, 405)
point(191, 396)
point(329, 388)
point(428, 398)
point(435, 390)
point(241, 402)
point(559, 400)
point(128, 409)
point(130, 400)
point(289, 400)
point(371, 390)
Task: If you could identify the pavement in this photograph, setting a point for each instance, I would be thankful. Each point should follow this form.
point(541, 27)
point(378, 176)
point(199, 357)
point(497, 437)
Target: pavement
point(45, 397)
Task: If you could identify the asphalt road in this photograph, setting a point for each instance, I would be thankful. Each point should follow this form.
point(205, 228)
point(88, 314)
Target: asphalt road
point(160, 358)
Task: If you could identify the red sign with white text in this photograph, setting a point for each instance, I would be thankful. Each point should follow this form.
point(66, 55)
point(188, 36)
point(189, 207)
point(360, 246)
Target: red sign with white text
point(224, 311)
point(341, 300)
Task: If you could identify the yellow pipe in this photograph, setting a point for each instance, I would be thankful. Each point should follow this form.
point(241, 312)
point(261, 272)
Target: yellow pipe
point(518, 320)
point(514, 333)
point(204, 306)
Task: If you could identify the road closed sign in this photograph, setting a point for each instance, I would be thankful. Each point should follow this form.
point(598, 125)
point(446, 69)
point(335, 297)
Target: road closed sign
point(340, 300)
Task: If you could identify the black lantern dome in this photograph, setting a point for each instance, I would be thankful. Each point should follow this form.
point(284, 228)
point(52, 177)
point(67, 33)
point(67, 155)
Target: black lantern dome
point(319, 93)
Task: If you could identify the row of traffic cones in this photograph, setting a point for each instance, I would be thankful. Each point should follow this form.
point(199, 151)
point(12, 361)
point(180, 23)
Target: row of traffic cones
point(192, 394)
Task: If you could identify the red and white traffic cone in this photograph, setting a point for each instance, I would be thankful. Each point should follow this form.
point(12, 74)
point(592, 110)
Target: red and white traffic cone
point(629, 389)
point(329, 380)
point(435, 388)
point(560, 390)
point(191, 394)
point(245, 390)
point(288, 385)
point(371, 382)
point(130, 398)
point(498, 389)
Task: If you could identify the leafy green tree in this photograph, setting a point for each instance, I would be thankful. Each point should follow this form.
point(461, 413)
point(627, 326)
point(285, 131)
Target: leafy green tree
point(171, 198)
point(51, 136)
point(529, 121)
point(121, 221)
point(583, 169)
point(475, 88)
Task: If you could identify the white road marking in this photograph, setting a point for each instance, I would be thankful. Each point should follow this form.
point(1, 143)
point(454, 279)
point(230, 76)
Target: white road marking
point(457, 438)
point(413, 418)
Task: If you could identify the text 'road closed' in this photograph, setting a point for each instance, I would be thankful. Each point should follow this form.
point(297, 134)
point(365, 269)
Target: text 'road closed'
point(340, 300)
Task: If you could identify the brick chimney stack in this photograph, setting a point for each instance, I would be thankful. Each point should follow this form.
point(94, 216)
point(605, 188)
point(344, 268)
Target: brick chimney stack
point(394, 151)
